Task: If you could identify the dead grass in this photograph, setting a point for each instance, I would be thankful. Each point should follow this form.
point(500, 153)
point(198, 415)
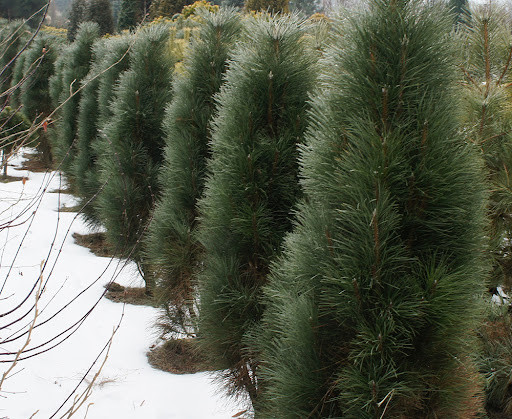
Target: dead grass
point(34, 163)
point(95, 242)
point(66, 190)
point(128, 295)
point(74, 208)
point(179, 356)
point(8, 179)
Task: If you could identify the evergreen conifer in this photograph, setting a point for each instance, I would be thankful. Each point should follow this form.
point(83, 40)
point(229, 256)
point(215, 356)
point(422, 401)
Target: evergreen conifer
point(110, 60)
point(75, 66)
point(132, 12)
point(77, 15)
point(134, 144)
point(172, 246)
point(252, 187)
point(14, 36)
point(370, 311)
point(17, 82)
point(39, 67)
point(100, 11)
point(487, 118)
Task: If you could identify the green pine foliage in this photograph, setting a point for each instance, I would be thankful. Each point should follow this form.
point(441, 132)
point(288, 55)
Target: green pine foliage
point(77, 15)
point(13, 38)
point(110, 60)
point(100, 11)
point(56, 82)
point(172, 247)
point(39, 67)
point(75, 66)
point(21, 9)
point(252, 187)
point(133, 150)
point(131, 13)
point(496, 359)
point(487, 118)
point(370, 311)
point(17, 81)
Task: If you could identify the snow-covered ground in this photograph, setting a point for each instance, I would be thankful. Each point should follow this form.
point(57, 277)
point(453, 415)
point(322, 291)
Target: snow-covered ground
point(127, 387)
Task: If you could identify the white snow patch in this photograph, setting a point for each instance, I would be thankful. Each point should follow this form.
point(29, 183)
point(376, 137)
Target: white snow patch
point(128, 387)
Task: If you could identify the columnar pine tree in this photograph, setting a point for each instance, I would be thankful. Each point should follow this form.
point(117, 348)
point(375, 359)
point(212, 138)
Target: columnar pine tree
point(55, 82)
point(370, 311)
point(77, 15)
point(76, 64)
point(133, 150)
point(172, 247)
point(17, 81)
point(487, 118)
point(132, 12)
point(100, 11)
point(39, 67)
point(14, 37)
point(110, 60)
point(252, 187)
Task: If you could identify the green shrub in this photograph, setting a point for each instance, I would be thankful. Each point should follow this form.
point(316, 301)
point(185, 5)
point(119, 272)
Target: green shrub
point(371, 311)
point(172, 247)
point(133, 150)
point(252, 187)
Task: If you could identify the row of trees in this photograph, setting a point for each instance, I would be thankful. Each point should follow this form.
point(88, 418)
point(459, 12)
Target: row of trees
point(329, 253)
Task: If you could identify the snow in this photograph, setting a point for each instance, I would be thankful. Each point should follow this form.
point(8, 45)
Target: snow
point(127, 387)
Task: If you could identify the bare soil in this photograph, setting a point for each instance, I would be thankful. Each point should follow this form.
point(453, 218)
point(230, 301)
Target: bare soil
point(178, 356)
point(95, 242)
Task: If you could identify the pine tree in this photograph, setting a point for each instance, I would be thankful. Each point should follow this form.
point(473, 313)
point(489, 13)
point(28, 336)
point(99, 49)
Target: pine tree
point(252, 187)
point(39, 67)
point(134, 144)
point(14, 37)
point(172, 246)
point(110, 60)
point(21, 9)
point(77, 15)
point(75, 66)
point(132, 12)
point(100, 11)
point(487, 117)
point(370, 312)
point(17, 82)
point(460, 10)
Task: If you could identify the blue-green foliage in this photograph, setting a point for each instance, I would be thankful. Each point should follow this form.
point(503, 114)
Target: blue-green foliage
point(172, 246)
point(370, 310)
point(252, 186)
point(110, 61)
point(73, 68)
point(132, 151)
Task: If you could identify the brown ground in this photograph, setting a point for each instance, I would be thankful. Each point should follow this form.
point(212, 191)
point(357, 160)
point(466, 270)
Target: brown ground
point(74, 208)
point(179, 356)
point(128, 295)
point(7, 179)
point(33, 163)
point(95, 242)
